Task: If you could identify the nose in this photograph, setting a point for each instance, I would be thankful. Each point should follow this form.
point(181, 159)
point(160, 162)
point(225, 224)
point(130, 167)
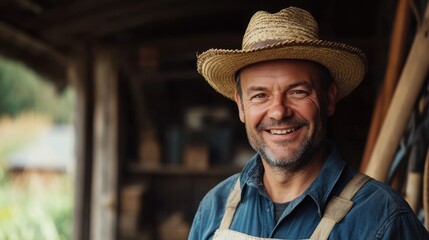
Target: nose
point(279, 108)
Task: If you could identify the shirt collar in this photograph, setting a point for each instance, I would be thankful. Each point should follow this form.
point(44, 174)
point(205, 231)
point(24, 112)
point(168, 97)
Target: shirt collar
point(321, 188)
point(252, 172)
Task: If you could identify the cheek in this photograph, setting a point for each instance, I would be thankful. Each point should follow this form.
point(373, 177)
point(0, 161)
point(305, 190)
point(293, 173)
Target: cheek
point(253, 115)
point(309, 110)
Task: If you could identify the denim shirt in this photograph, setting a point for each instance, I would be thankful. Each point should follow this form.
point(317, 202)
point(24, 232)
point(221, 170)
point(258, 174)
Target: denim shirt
point(378, 212)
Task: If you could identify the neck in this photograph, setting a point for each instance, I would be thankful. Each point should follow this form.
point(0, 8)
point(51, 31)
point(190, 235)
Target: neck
point(283, 185)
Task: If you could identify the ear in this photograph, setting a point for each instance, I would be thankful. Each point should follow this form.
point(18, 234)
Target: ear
point(239, 105)
point(331, 101)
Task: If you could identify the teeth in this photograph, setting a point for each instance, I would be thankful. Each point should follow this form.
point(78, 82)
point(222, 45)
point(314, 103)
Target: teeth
point(283, 131)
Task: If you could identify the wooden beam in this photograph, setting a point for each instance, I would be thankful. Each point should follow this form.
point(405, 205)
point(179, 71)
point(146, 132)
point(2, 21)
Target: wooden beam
point(199, 42)
point(45, 66)
point(29, 43)
point(104, 215)
point(169, 75)
point(80, 77)
point(30, 5)
point(64, 13)
point(107, 21)
point(170, 14)
point(96, 16)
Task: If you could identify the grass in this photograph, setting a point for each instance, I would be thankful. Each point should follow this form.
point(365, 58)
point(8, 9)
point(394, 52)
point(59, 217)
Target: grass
point(31, 206)
point(27, 213)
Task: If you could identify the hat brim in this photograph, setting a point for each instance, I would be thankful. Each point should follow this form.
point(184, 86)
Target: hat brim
point(347, 65)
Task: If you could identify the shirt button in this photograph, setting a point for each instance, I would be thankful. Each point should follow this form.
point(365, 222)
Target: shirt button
point(268, 209)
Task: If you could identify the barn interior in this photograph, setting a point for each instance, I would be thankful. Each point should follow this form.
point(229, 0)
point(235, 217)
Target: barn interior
point(152, 136)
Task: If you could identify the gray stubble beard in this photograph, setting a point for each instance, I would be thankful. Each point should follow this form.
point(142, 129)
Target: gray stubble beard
point(297, 159)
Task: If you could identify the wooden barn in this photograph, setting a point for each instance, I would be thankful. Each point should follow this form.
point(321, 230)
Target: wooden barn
point(152, 137)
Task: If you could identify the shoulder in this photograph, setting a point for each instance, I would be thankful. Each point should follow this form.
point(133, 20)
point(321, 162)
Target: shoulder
point(218, 195)
point(385, 211)
point(380, 194)
point(211, 210)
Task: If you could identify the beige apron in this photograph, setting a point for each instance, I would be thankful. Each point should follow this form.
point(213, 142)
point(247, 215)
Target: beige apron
point(335, 210)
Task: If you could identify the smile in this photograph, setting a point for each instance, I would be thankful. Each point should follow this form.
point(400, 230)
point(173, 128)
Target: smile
point(283, 131)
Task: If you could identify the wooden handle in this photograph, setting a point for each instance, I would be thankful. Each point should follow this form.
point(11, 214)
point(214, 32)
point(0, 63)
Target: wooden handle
point(406, 93)
point(414, 190)
point(394, 65)
point(426, 191)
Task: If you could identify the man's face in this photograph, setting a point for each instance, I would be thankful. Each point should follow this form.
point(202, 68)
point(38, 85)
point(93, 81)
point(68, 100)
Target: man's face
point(283, 111)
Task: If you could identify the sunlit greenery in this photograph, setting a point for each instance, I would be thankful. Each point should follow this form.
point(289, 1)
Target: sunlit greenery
point(37, 211)
point(32, 206)
point(23, 90)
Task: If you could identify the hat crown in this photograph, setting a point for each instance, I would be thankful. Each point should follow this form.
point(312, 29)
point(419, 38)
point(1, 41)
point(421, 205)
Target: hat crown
point(290, 24)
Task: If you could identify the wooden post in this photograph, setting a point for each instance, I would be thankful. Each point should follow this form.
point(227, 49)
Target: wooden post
point(79, 73)
point(407, 91)
point(393, 69)
point(104, 219)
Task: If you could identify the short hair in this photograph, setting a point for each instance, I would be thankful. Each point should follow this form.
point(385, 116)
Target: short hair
point(238, 84)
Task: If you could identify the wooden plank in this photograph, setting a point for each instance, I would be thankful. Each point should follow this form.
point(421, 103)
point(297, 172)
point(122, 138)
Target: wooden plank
point(64, 12)
point(409, 85)
point(79, 75)
point(108, 21)
point(169, 14)
point(183, 171)
point(105, 179)
point(193, 41)
point(98, 14)
point(29, 43)
point(30, 6)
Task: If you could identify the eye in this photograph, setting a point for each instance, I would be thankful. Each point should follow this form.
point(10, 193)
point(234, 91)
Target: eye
point(258, 97)
point(298, 93)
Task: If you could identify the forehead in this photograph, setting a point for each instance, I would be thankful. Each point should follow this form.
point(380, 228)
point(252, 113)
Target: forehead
point(288, 67)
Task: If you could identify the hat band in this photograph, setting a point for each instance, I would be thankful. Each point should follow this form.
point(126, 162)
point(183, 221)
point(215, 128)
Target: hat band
point(262, 44)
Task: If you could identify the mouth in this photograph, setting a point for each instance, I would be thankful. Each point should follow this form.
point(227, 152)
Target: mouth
point(283, 131)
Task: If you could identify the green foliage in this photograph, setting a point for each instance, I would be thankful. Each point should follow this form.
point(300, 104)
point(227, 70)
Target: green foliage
point(29, 213)
point(31, 209)
point(23, 90)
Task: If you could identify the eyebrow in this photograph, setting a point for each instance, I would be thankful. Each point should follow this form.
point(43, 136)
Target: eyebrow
point(290, 86)
point(256, 89)
point(301, 83)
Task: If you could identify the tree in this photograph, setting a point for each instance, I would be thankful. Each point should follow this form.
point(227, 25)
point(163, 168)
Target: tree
point(21, 89)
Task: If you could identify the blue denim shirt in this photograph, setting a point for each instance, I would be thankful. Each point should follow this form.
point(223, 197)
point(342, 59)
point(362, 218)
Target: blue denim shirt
point(378, 211)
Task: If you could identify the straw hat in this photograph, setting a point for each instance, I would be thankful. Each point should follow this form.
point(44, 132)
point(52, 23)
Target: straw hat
point(291, 33)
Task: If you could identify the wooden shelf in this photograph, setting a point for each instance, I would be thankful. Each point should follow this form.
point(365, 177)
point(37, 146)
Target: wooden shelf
point(177, 170)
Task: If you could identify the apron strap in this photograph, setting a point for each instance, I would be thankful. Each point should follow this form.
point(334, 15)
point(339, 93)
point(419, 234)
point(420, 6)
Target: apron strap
point(338, 207)
point(231, 205)
point(335, 210)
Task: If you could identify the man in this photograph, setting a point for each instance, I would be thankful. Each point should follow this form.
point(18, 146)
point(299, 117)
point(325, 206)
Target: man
point(286, 82)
